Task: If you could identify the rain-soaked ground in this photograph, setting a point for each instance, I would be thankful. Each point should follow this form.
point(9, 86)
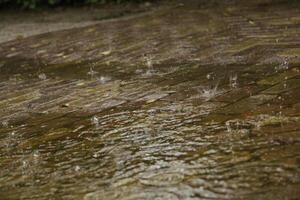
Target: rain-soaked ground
point(188, 101)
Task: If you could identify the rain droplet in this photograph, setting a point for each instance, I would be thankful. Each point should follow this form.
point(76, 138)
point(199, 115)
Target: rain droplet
point(228, 126)
point(77, 168)
point(149, 64)
point(36, 154)
point(208, 76)
point(24, 164)
point(233, 81)
point(103, 79)
point(209, 92)
point(12, 133)
point(95, 120)
point(92, 72)
point(284, 65)
point(42, 76)
point(95, 155)
point(280, 107)
point(284, 85)
point(4, 124)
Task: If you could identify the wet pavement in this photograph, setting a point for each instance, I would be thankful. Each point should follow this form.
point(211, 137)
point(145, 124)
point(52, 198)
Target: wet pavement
point(190, 101)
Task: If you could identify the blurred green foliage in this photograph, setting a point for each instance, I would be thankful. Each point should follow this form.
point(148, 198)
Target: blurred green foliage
point(32, 4)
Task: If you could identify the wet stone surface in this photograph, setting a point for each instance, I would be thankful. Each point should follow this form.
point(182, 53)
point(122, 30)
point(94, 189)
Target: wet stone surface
point(190, 101)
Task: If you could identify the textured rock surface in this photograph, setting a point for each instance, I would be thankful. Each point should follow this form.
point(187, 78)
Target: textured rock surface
point(191, 101)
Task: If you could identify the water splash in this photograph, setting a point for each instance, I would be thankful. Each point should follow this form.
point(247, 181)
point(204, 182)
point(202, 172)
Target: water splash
point(149, 63)
point(77, 168)
point(95, 120)
point(42, 76)
point(103, 79)
point(284, 65)
point(241, 126)
point(228, 127)
point(208, 93)
point(284, 82)
point(24, 166)
point(5, 124)
point(92, 72)
point(233, 81)
point(36, 156)
point(12, 134)
point(210, 76)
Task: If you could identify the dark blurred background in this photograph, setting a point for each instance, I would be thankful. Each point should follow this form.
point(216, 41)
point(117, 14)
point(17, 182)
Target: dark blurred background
point(33, 4)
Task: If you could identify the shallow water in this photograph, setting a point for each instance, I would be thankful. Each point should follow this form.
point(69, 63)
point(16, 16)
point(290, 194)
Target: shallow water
point(157, 128)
